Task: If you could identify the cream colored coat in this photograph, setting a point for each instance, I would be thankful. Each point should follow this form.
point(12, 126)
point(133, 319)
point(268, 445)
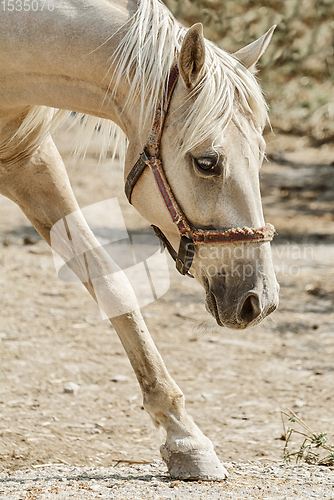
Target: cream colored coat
point(61, 59)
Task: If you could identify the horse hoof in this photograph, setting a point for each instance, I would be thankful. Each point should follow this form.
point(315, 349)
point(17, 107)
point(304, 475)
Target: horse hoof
point(195, 465)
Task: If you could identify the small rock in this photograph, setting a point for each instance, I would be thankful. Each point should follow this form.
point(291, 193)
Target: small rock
point(95, 487)
point(313, 289)
point(174, 484)
point(27, 240)
point(71, 388)
point(99, 425)
point(120, 378)
point(95, 431)
point(299, 403)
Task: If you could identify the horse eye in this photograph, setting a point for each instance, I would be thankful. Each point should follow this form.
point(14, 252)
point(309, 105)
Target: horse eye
point(206, 165)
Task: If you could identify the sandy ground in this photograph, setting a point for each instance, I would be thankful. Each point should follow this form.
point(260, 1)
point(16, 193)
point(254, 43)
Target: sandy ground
point(149, 482)
point(68, 395)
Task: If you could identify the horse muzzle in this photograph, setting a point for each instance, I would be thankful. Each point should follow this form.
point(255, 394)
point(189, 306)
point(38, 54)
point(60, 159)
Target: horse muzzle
point(241, 304)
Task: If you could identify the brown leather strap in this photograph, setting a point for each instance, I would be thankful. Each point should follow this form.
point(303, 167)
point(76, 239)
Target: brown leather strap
point(152, 146)
point(153, 140)
point(185, 256)
point(134, 175)
point(183, 259)
point(166, 243)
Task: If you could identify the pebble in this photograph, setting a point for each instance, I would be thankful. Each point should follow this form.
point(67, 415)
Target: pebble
point(71, 388)
point(95, 487)
point(120, 378)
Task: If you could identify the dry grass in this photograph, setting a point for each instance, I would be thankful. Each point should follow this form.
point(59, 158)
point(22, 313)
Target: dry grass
point(313, 449)
point(297, 71)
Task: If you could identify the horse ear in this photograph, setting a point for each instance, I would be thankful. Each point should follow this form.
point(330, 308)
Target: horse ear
point(192, 55)
point(250, 54)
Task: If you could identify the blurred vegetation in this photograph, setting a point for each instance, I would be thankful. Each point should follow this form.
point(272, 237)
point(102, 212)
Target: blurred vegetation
point(296, 72)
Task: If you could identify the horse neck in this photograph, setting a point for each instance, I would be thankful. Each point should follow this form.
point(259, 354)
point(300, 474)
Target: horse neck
point(64, 61)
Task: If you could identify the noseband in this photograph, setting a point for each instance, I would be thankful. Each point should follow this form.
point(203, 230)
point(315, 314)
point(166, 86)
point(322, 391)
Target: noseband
point(190, 236)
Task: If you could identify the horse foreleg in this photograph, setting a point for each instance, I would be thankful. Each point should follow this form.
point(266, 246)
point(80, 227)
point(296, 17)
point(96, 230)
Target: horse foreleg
point(40, 186)
point(187, 452)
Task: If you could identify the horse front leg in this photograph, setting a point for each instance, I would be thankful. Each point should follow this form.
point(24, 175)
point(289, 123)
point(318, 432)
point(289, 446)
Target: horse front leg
point(40, 186)
point(187, 452)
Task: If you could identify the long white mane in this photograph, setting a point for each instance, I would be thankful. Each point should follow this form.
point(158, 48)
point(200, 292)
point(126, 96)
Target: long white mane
point(145, 56)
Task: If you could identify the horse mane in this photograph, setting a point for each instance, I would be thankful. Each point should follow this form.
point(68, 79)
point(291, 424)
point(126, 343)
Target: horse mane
point(225, 87)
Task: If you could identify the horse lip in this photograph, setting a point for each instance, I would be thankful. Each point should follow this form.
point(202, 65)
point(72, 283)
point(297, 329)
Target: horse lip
point(211, 305)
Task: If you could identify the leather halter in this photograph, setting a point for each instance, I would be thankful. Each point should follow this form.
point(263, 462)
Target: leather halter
point(190, 236)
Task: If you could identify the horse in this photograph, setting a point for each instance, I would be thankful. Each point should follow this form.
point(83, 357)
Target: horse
point(193, 117)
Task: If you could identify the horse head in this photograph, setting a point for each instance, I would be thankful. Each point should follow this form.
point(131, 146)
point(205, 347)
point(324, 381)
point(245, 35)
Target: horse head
point(211, 149)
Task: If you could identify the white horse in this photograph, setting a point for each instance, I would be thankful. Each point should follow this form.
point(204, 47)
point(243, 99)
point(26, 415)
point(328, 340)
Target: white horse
point(116, 60)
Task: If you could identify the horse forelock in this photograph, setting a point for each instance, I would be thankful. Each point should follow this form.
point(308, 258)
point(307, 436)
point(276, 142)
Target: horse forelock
point(145, 56)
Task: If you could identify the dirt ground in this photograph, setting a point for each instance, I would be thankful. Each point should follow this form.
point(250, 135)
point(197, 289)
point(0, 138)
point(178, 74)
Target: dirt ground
point(235, 382)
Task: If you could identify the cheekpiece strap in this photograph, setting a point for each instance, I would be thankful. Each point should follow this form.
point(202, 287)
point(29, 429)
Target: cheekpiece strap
point(153, 140)
point(134, 175)
point(152, 146)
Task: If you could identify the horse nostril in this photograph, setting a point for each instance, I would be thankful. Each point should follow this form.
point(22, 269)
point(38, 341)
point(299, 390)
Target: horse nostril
point(250, 309)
